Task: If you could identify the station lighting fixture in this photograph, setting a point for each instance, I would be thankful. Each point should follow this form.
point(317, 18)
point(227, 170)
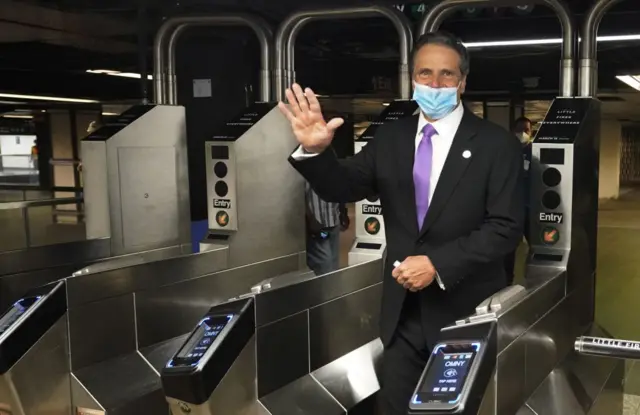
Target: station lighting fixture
point(118, 73)
point(632, 80)
point(47, 98)
point(540, 42)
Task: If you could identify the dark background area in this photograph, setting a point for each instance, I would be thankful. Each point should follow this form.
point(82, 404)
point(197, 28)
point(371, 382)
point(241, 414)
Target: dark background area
point(47, 47)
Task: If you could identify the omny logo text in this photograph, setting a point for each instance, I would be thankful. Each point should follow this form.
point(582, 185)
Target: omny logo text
point(222, 203)
point(371, 209)
point(551, 217)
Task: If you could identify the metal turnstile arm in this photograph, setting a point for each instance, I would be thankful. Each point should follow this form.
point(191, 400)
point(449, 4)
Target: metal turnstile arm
point(614, 348)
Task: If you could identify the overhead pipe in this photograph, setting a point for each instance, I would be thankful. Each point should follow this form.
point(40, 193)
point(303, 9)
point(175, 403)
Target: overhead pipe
point(164, 76)
point(291, 26)
point(434, 18)
point(588, 75)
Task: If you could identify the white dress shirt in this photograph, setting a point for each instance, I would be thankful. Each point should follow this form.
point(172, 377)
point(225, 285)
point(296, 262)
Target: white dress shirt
point(446, 130)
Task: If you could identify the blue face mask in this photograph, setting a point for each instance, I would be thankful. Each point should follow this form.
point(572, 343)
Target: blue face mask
point(435, 103)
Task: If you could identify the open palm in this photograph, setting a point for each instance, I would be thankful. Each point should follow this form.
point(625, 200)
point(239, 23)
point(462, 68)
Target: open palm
point(307, 122)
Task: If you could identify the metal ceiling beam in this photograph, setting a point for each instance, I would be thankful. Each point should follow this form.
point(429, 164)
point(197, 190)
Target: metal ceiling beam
point(81, 23)
point(15, 32)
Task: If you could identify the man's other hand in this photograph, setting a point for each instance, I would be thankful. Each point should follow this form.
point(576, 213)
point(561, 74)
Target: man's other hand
point(307, 122)
point(415, 273)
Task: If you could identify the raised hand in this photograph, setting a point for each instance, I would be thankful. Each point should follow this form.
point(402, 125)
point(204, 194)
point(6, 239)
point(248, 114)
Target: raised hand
point(308, 124)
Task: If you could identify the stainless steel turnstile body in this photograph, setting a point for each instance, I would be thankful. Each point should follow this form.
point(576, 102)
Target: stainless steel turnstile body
point(311, 346)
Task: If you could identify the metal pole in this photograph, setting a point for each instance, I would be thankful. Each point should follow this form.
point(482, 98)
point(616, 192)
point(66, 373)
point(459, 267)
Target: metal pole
point(434, 18)
point(142, 52)
point(588, 76)
point(289, 29)
point(161, 56)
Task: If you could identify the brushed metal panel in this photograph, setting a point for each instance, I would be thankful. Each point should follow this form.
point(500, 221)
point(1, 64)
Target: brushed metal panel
point(305, 396)
point(172, 310)
point(96, 189)
point(13, 287)
point(611, 398)
point(275, 304)
point(236, 393)
point(510, 378)
point(42, 257)
point(101, 330)
point(525, 410)
point(352, 378)
point(159, 354)
point(269, 192)
point(555, 397)
point(14, 235)
point(92, 287)
point(161, 126)
point(544, 290)
point(149, 196)
point(488, 404)
point(81, 398)
point(343, 325)
point(549, 341)
point(125, 385)
point(283, 352)
point(41, 377)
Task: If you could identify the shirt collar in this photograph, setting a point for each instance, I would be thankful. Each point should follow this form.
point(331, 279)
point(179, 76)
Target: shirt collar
point(446, 126)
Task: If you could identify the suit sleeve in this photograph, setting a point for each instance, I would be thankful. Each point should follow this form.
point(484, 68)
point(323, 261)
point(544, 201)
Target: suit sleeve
point(501, 231)
point(340, 181)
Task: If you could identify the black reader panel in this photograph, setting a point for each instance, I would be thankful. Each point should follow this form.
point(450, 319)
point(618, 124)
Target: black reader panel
point(458, 372)
point(448, 370)
point(206, 356)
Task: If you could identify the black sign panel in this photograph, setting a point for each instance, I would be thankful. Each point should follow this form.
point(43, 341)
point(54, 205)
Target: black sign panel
point(563, 121)
point(240, 124)
point(117, 124)
point(395, 111)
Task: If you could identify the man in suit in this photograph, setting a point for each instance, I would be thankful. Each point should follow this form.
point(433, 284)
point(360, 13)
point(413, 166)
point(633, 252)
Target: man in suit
point(450, 186)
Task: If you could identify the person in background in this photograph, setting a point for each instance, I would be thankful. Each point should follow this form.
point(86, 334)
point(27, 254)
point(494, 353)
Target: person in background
point(522, 129)
point(450, 185)
point(34, 155)
point(325, 220)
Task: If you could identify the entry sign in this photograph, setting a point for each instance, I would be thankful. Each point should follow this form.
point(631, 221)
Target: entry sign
point(551, 217)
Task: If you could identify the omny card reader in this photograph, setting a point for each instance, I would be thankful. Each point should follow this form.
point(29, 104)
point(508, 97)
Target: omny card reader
point(205, 357)
point(457, 373)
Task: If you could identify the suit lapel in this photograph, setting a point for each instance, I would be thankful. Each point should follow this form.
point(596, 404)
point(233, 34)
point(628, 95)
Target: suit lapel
point(454, 167)
point(405, 153)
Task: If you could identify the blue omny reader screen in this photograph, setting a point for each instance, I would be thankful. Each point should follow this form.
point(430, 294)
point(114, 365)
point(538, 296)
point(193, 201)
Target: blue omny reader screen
point(448, 372)
point(199, 342)
point(18, 309)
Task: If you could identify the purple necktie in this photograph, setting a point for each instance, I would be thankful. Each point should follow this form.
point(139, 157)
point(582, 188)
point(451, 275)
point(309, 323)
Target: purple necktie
point(422, 172)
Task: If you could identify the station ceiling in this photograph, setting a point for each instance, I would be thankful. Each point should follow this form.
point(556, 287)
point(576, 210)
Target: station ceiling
point(47, 46)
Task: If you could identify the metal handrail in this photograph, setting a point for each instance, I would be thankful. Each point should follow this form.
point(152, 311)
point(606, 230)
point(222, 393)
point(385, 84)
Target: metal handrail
point(289, 28)
point(434, 18)
point(24, 205)
point(164, 53)
point(587, 78)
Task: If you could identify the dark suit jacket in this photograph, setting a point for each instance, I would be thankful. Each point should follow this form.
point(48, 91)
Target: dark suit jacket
point(474, 220)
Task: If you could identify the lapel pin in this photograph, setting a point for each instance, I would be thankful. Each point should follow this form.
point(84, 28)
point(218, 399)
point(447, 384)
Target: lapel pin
point(466, 154)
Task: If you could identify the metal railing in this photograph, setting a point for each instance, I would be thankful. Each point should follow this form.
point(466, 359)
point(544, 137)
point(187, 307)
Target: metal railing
point(17, 217)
